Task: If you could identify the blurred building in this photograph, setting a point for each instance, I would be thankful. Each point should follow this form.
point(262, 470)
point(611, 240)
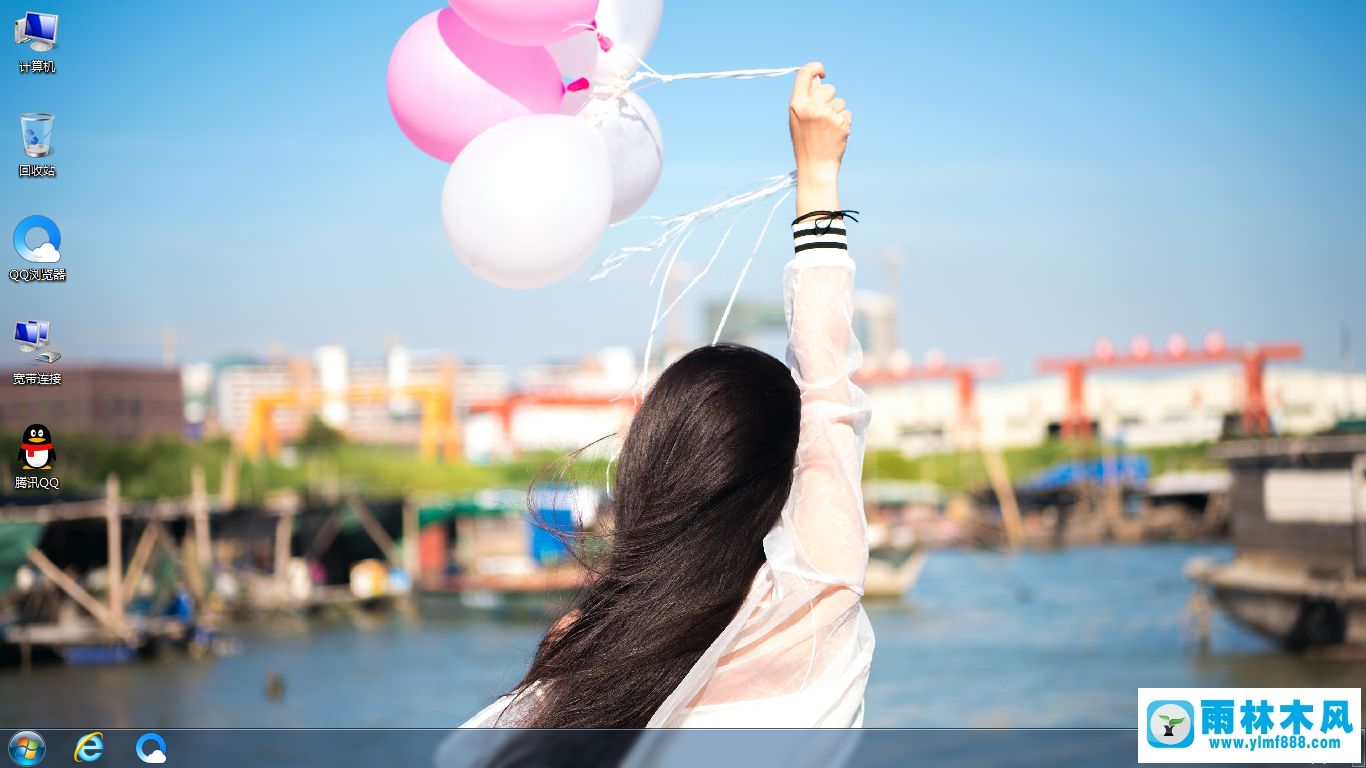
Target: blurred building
point(923, 417)
point(875, 327)
point(120, 402)
point(395, 421)
point(557, 408)
point(754, 323)
point(548, 407)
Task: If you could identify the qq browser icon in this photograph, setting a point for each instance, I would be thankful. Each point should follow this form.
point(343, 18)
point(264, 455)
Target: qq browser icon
point(154, 752)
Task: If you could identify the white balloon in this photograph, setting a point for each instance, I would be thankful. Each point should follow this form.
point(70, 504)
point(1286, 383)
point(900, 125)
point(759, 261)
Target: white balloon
point(527, 201)
point(635, 144)
point(631, 25)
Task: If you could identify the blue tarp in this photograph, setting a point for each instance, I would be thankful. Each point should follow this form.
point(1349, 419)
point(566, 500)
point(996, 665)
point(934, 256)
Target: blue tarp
point(554, 510)
point(1133, 470)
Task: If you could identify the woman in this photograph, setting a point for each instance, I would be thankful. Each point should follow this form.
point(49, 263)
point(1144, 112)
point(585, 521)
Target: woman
point(730, 596)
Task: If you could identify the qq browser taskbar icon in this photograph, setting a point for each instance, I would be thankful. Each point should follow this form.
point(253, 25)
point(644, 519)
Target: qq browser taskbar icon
point(27, 748)
point(148, 753)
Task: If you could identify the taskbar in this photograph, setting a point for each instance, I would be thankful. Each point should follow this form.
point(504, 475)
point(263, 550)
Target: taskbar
point(506, 748)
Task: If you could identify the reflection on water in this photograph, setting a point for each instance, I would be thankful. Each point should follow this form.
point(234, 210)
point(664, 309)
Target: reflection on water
point(1033, 639)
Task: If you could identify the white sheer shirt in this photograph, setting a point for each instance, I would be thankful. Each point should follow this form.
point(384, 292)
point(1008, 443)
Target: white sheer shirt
point(798, 652)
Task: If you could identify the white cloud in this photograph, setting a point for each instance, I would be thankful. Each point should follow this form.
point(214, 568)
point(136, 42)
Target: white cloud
point(44, 253)
point(157, 756)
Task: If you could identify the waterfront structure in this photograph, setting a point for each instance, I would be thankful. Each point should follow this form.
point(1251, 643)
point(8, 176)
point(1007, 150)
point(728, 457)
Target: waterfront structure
point(113, 629)
point(119, 402)
point(551, 407)
point(1256, 420)
point(560, 407)
point(392, 416)
point(1190, 407)
point(1299, 527)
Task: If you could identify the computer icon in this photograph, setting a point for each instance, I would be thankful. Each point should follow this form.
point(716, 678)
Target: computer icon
point(31, 334)
point(40, 28)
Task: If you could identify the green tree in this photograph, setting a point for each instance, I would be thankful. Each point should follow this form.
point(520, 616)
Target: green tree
point(319, 436)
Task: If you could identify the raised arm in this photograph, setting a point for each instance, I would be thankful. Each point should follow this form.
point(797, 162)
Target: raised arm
point(819, 124)
point(828, 509)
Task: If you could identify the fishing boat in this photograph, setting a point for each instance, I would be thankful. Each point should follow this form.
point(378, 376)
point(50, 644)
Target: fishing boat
point(904, 517)
point(1298, 515)
point(892, 572)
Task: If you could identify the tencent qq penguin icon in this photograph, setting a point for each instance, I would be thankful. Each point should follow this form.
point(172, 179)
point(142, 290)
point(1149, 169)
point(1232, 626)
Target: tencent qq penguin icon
point(151, 752)
point(1171, 723)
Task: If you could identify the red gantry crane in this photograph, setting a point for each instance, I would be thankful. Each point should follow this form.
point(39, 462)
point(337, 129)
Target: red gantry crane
point(1140, 354)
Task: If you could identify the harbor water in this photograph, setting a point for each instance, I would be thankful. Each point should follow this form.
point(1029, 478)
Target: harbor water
point(1039, 638)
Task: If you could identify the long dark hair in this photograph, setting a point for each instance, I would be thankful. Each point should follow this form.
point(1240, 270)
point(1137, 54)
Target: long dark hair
point(704, 472)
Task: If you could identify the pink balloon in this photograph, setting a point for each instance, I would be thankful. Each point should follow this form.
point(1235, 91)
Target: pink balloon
point(448, 83)
point(527, 22)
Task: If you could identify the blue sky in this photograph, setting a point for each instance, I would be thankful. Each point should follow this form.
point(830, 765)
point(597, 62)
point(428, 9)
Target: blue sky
point(1057, 171)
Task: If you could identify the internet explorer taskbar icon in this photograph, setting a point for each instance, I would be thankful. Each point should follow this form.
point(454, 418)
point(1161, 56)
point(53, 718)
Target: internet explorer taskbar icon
point(90, 748)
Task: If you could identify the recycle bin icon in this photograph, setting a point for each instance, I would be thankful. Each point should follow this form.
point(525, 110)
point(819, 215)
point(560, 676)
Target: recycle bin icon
point(37, 132)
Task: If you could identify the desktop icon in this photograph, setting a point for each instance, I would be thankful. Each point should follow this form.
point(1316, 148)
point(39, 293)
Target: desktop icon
point(36, 451)
point(90, 747)
point(30, 335)
point(158, 753)
point(36, 130)
point(47, 252)
point(27, 748)
point(39, 28)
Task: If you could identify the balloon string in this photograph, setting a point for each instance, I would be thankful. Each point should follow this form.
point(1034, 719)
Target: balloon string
point(705, 269)
point(648, 73)
point(622, 84)
point(677, 230)
point(745, 271)
point(676, 227)
point(738, 74)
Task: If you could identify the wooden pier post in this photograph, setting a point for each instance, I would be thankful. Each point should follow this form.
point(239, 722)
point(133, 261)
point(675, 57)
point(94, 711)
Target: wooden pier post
point(114, 536)
point(139, 562)
point(284, 530)
point(102, 614)
point(227, 483)
point(412, 560)
point(199, 508)
point(1359, 512)
point(376, 531)
point(1005, 493)
point(1112, 492)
